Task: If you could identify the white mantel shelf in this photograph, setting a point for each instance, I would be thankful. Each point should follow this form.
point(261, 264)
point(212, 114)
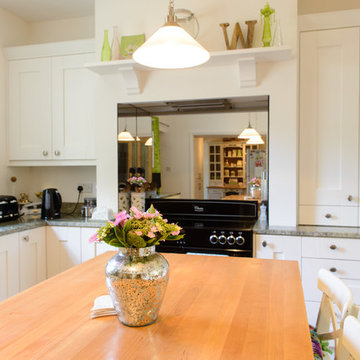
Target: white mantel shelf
point(246, 59)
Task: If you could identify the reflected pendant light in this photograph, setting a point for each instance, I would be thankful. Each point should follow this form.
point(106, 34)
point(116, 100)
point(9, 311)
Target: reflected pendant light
point(255, 140)
point(149, 142)
point(248, 133)
point(125, 136)
point(171, 47)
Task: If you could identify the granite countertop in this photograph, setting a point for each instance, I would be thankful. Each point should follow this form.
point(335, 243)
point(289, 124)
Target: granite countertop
point(29, 222)
point(262, 228)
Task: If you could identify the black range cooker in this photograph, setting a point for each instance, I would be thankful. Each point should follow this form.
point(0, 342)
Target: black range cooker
point(210, 226)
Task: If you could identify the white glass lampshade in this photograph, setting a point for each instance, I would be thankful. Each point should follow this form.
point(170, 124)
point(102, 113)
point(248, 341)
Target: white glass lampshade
point(125, 136)
point(171, 47)
point(149, 142)
point(255, 140)
point(248, 133)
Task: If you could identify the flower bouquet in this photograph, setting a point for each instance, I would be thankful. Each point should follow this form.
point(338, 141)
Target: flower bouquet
point(137, 229)
point(255, 182)
point(137, 183)
point(255, 187)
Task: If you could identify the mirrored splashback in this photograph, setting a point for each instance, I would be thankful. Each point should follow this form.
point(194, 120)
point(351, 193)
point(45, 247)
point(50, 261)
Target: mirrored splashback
point(192, 150)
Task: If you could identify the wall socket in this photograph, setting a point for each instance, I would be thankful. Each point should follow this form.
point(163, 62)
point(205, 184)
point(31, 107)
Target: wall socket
point(88, 187)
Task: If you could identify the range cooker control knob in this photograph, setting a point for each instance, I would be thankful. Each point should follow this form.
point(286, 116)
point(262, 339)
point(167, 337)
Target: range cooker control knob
point(231, 239)
point(240, 240)
point(222, 239)
point(213, 239)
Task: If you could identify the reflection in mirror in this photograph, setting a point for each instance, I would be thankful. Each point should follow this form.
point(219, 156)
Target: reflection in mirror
point(194, 151)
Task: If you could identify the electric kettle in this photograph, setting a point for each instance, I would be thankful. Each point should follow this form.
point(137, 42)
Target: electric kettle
point(51, 204)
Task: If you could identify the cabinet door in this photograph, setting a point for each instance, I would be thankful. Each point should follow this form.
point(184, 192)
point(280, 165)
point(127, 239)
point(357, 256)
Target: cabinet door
point(329, 118)
point(278, 247)
point(30, 109)
point(63, 248)
point(32, 257)
point(73, 107)
point(9, 265)
point(90, 250)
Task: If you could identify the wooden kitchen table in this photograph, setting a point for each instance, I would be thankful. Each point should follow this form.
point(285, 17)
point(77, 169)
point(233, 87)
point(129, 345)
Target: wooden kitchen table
point(214, 308)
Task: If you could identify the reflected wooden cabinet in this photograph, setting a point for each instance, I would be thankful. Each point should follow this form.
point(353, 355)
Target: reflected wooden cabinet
point(215, 164)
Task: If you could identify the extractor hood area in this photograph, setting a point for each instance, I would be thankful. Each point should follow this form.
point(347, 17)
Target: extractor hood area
point(201, 106)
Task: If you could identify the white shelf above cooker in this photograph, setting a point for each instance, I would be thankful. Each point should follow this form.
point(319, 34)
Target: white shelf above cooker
point(245, 58)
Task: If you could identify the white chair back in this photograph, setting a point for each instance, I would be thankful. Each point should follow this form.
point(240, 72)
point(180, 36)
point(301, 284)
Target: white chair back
point(335, 291)
point(350, 340)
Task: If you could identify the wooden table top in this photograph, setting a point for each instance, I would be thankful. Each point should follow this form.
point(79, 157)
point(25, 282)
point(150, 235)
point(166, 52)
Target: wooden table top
point(214, 308)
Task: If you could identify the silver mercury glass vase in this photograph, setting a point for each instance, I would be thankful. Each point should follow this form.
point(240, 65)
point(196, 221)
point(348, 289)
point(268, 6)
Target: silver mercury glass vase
point(137, 280)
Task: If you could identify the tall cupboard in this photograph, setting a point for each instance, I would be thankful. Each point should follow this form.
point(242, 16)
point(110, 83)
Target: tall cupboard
point(329, 127)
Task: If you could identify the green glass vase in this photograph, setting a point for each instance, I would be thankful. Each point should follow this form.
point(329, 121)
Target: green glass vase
point(106, 50)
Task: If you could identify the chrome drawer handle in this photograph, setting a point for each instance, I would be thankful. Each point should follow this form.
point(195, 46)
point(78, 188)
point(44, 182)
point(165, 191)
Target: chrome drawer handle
point(328, 216)
point(45, 153)
point(264, 244)
point(333, 269)
point(57, 152)
point(333, 247)
point(349, 198)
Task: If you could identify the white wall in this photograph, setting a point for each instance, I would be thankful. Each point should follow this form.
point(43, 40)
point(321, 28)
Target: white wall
point(318, 6)
point(13, 31)
point(275, 79)
point(62, 30)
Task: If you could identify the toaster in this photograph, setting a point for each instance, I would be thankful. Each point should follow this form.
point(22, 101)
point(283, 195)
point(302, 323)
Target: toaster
point(9, 208)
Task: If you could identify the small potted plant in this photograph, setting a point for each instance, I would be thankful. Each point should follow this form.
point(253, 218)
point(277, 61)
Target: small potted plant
point(137, 276)
point(138, 187)
point(255, 187)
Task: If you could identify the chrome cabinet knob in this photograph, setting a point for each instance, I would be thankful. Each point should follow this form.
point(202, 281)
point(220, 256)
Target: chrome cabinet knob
point(45, 153)
point(57, 152)
point(349, 198)
point(264, 244)
point(333, 269)
point(333, 247)
point(328, 216)
point(26, 238)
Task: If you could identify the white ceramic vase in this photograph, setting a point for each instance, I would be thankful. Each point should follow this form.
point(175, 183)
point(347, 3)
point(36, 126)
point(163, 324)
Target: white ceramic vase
point(124, 201)
point(138, 200)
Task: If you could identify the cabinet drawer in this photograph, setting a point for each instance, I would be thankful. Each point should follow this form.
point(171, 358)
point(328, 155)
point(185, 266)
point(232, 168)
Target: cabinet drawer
point(328, 215)
point(347, 270)
point(331, 248)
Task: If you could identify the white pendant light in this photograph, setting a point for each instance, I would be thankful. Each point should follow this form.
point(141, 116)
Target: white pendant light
point(255, 140)
point(125, 136)
point(248, 133)
point(149, 142)
point(171, 47)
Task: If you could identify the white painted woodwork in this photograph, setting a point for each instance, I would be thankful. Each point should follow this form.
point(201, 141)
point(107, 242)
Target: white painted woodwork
point(63, 248)
point(331, 248)
point(329, 117)
point(9, 265)
point(90, 250)
point(32, 257)
point(312, 310)
point(30, 109)
point(246, 59)
point(347, 270)
point(73, 89)
point(278, 247)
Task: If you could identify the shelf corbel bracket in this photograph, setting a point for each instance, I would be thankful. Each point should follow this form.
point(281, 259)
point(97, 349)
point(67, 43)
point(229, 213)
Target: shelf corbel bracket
point(247, 72)
point(131, 80)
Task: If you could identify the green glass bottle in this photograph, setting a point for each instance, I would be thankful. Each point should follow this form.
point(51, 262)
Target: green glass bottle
point(106, 50)
point(266, 13)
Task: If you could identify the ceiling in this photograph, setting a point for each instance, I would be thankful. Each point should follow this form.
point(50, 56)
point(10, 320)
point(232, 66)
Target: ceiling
point(237, 104)
point(44, 10)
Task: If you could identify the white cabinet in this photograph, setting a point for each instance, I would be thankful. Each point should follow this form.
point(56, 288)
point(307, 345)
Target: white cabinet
point(9, 265)
point(63, 248)
point(329, 127)
point(51, 114)
point(341, 256)
point(90, 250)
point(278, 247)
point(32, 257)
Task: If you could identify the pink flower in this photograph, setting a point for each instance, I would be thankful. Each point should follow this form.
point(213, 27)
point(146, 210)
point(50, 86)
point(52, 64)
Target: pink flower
point(151, 234)
point(149, 216)
point(138, 232)
point(174, 233)
point(154, 229)
point(137, 214)
point(165, 220)
point(120, 218)
point(93, 238)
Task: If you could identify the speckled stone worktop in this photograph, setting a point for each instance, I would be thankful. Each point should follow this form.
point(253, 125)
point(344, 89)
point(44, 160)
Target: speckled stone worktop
point(307, 230)
point(27, 223)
